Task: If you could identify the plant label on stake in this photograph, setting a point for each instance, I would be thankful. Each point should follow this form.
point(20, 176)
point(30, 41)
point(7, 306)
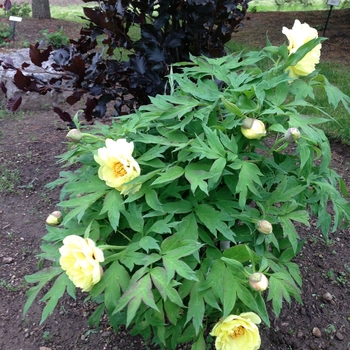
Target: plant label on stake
point(14, 19)
point(331, 3)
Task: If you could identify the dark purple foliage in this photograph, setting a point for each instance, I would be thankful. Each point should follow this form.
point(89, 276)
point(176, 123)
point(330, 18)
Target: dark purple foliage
point(169, 31)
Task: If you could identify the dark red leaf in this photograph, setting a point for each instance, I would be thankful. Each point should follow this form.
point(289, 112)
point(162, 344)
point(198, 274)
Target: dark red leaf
point(3, 88)
point(65, 116)
point(37, 56)
point(13, 103)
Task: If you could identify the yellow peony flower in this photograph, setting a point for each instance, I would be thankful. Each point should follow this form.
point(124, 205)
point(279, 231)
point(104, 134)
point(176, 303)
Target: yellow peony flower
point(237, 332)
point(117, 166)
point(264, 227)
point(299, 35)
point(55, 218)
point(80, 258)
point(258, 281)
point(253, 129)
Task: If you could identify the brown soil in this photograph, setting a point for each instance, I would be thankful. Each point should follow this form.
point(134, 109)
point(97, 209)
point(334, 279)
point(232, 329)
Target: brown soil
point(29, 143)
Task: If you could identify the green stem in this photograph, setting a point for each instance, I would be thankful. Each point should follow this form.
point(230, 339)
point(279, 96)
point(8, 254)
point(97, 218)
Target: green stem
point(273, 148)
point(86, 135)
point(113, 257)
point(126, 237)
point(111, 247)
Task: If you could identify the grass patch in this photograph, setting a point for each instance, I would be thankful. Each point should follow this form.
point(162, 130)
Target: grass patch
point(69, 13)
point(288, 5)
point(339, 76)
point(9, 178)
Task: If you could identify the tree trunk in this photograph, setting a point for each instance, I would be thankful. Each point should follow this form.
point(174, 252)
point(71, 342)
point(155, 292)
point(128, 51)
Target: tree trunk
point(41, 9)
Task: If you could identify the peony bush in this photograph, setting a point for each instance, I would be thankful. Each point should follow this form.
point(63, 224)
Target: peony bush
point(180, 221)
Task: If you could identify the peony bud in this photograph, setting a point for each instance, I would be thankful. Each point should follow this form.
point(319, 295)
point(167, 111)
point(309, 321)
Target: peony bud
point(54, 218)
point(258, 281)
point(292, 134)
point(253, 128)
point(74, 135)
point(264, 227)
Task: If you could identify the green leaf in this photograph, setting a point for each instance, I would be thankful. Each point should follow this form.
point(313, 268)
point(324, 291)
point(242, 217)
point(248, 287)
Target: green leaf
point(173, 311)
point(294, 271)
point(208, 216)
point(230, 144)
point(278, 94)
point(261, 308)
point(138, 292)
point(152, 200)
point(94, 319)
point(114, 280)
point(232, 107)
point(241, 253)
point(81, 204)
point(53, 296)
point(195, 175)
point(188, 228)
point(285, 191)
point(43, 275)
point(174, 248)
point(153, 153)
point(166, 290)
point(248, 177)
point(82, 201)
point(301, 89)
point(201, 149)
point(162, 225)
point(196, 308)
point(84, 183)
point(113, 204)
point(246, 296)
point(290, 232)
point(170, 175)
point(216, 170)
point(181, 268)
point(49, 252)
point(222, 281)
point(133, 214)
point(148, 243)
point(299, 216)
point(335, 95)
point(178, 207)
point(31, 295)
point(294, 58)
point(214, 141)
point(281, 285)
point(200, 343)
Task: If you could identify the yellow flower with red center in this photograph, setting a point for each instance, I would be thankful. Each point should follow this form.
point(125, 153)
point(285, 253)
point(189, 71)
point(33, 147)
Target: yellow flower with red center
point(299, 35)
point(117, 166)
point(237, 332)
point(80, 258)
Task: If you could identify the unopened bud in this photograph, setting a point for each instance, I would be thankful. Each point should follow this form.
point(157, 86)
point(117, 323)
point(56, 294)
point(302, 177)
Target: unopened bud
point(292, 135)
point(74, 135)
point(258, 281)
point(54, 218)
point(264, 227)
point(253, 128)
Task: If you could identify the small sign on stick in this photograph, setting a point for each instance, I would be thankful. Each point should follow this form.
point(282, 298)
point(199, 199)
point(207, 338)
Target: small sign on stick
point(331, 3)
point(14, 19)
